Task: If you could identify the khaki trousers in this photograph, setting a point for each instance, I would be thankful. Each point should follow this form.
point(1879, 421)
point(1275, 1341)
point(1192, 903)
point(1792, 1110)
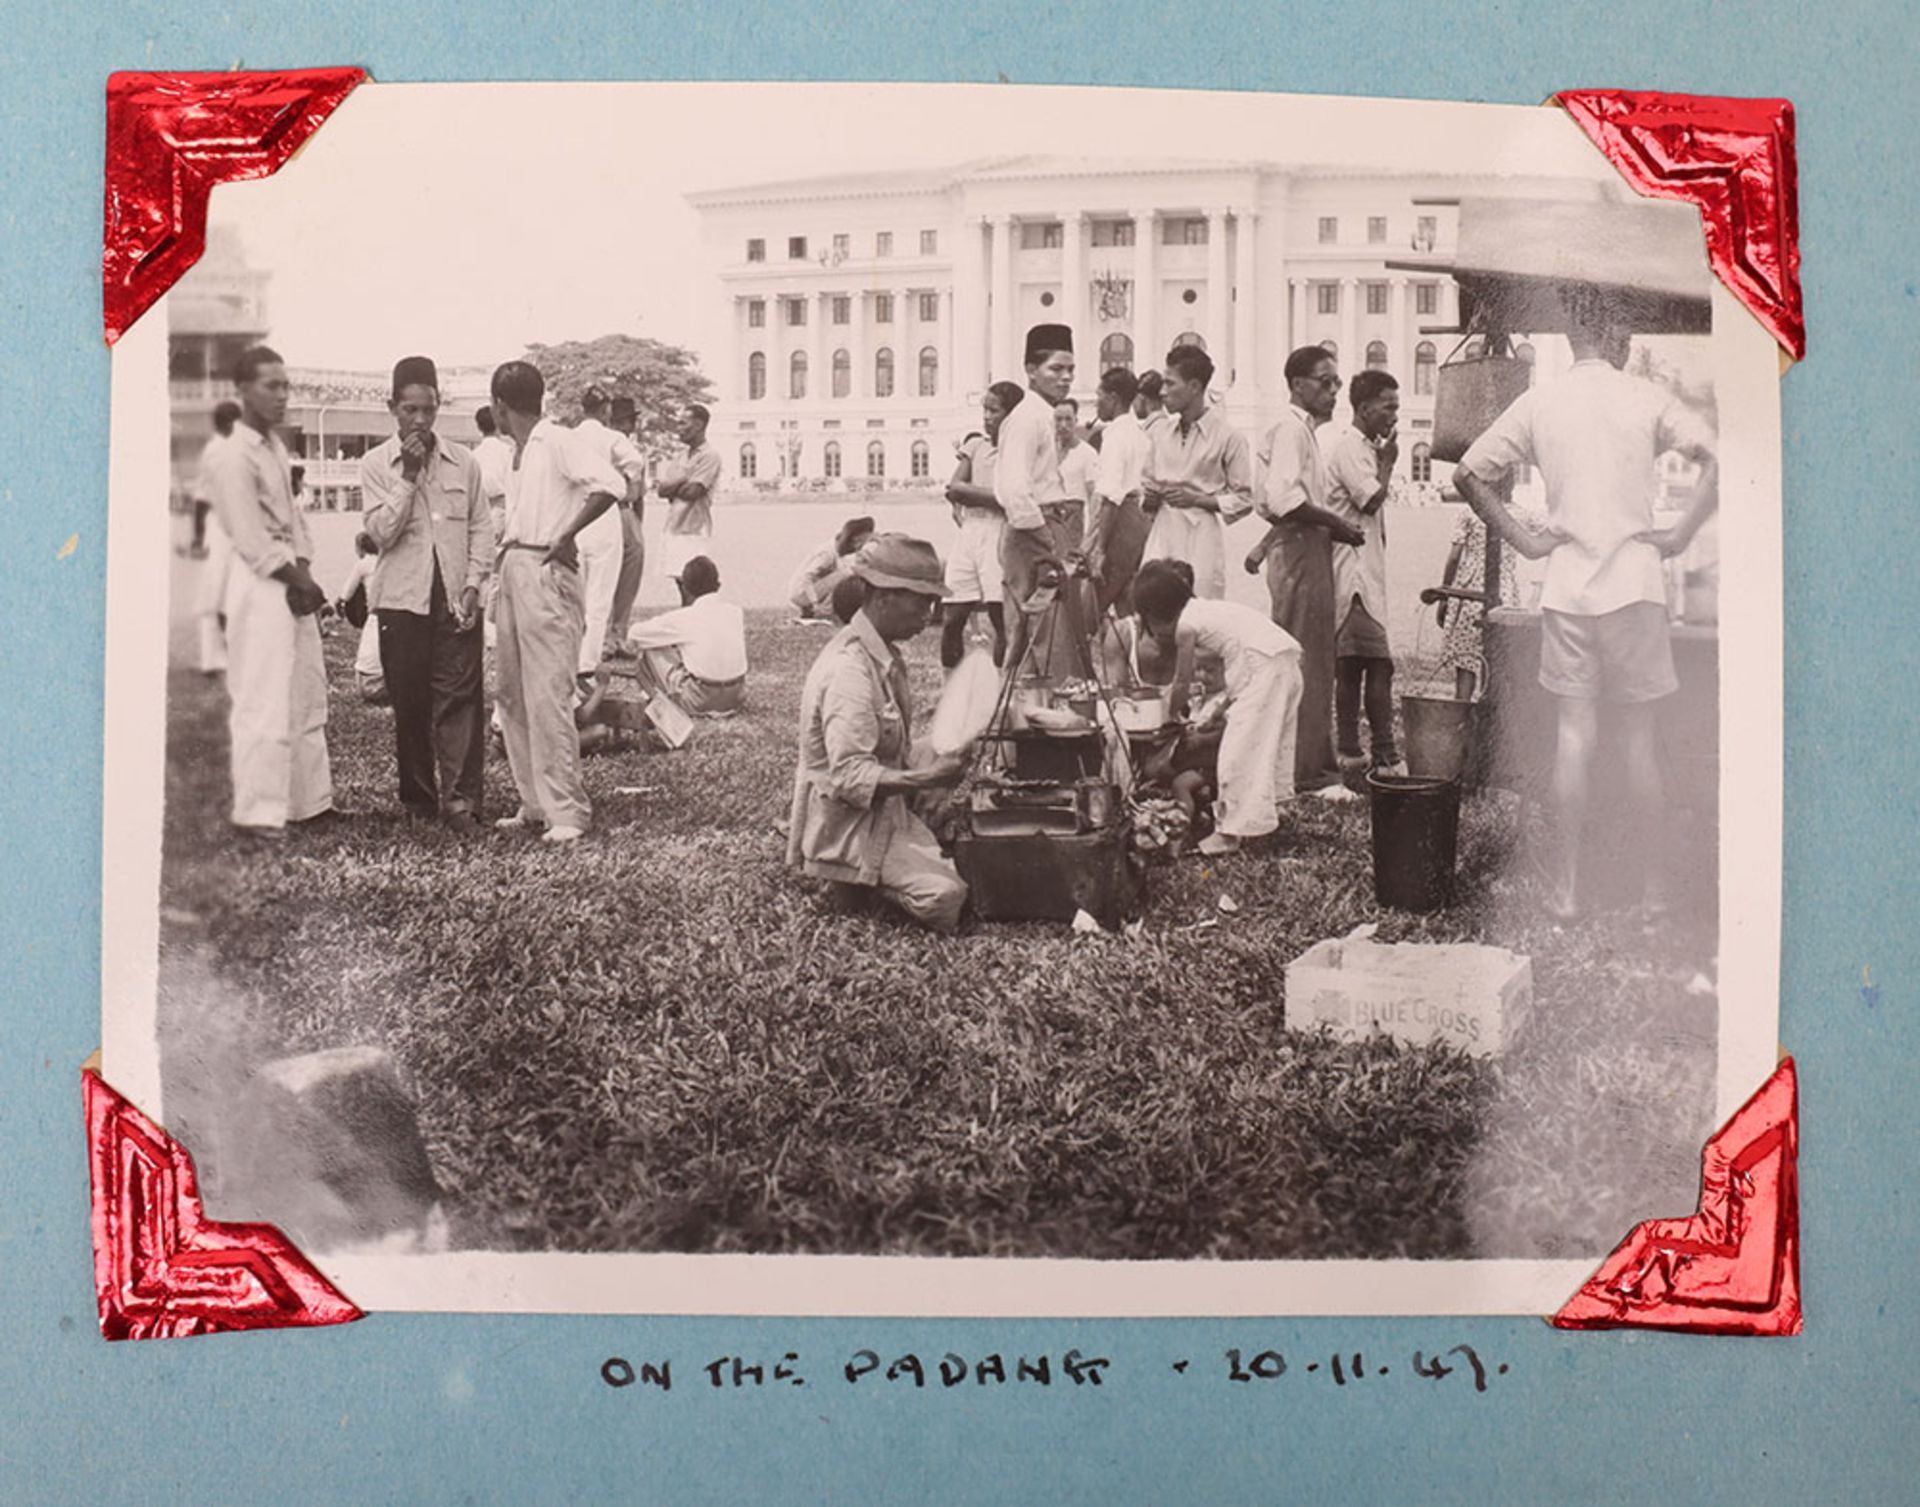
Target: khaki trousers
point(539, 618)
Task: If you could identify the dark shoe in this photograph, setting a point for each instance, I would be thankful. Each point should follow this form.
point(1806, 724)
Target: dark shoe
point(463, 822)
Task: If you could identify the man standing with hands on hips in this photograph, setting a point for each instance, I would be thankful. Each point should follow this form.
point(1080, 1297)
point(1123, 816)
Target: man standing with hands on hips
point(427, 514)
point(1298, 554)
point(276, 677)
point(557, 487)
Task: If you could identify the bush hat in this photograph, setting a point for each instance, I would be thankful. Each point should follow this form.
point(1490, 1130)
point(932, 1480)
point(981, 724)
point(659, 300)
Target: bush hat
point(901, 563)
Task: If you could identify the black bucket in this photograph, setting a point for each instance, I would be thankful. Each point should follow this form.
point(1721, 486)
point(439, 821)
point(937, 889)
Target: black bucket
point(1416, 831)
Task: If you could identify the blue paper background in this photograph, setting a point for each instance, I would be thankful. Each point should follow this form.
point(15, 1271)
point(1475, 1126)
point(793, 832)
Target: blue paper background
point(511, 1409)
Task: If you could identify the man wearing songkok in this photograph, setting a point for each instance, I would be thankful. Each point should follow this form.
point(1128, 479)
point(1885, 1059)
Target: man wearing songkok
point(851, 821)
point(276, 676)
point(427, 515)
point(1044, 524)
point(558, 486)
point(1596, 433)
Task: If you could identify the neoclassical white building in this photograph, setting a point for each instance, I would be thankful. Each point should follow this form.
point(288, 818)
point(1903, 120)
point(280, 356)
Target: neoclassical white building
point(869, 311)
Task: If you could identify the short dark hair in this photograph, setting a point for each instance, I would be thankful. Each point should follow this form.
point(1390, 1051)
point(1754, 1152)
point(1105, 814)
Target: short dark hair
point(594, 400)
point(483, 420)
point(1193, 364)
point(1010, 394)
point(252, 359)
point(1163, 588)
point(520, 386)
point(1368, 385)
point(1121, 383)
point(699, 577)
point(1150, 383)
point(1301, 362)
point(225, 415)
point(848, 597)
point(1073, 403)
point(699, 411)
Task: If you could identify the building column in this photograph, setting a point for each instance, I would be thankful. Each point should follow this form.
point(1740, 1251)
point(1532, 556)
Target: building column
point(949, 347)
point(1146, 292)
point(1001, 364)
point(1399, 360)
point(1297, 316)
point(1246, 368)
point(819, 375)
point(1350, 324)
point(906, 372)
point(862, 384)
point(1218, 290)
point(1073, 291)
point(777, 352)
point(969, 304)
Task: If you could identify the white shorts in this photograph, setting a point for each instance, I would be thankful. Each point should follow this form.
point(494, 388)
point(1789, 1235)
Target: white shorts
point(676, 549)
point(973, 569)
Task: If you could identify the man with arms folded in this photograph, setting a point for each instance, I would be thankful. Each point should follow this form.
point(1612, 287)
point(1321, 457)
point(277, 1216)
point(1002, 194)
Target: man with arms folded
point(557, 487)
point(427, 515)
point(689, 485)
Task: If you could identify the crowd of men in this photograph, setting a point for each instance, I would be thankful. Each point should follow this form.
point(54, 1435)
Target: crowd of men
point(1082, 555)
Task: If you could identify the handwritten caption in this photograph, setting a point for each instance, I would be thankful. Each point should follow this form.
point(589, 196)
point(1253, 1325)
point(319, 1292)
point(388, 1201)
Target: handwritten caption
point(1458, 1366)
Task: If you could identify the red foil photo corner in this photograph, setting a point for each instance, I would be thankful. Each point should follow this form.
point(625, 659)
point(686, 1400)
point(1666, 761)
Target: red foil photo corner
point(170, 138)
point(161, 1268)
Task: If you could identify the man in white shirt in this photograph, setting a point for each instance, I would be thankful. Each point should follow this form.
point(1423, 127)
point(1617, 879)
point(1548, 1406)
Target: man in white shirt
point(1079, 461)
point(1360, 459)
point(1199, 475)
point(1149, 401)
point(697, 653)
point(1117, 535)
point(633, 555)
point(276, 675)
point(494, 456)
point(210, 544)
point(1039, 540)
point(558, 487)
point(603, 544)
point(1596, 434)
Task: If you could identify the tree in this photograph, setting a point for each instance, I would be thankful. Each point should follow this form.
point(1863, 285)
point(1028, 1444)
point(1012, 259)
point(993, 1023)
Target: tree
point(661, 379)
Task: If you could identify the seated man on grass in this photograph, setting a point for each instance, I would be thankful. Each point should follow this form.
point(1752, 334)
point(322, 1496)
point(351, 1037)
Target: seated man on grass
point(811, 590)
point(851, 821)
point(697, 653)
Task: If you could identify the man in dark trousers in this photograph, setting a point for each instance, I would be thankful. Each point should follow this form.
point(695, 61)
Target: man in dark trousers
point(625, 419)
point(427, 514)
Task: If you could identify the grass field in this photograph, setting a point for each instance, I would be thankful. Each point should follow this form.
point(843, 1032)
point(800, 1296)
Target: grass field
point(659, 1040)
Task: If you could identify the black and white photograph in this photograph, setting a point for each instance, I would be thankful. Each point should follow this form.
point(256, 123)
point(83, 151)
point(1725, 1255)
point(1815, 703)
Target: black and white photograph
point(951, 699)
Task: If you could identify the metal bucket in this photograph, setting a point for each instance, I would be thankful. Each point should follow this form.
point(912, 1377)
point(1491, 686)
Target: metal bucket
point(1440, 736)
point(1416, 829)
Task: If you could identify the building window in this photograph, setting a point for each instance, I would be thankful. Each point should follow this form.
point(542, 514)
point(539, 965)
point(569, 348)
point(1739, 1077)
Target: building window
point(1329, 229)
point(796, 248)
point(796, 312)
point(757, 375)
point(1116, 351)
point(756, 313)
point(842, 308)
point(922, 460)
point(883, 308)
point(1426, 298)
point(929, 308)
point(797, 375)
point(929, 372)
point(842, 373)
point(1423, 462)
point(1042, 235)
point(883, 373)
point(929, 243)
point(1329, 296)
point(842, 247)
point(1189, 337)
point(876, 460)
point(1113, 232)
point(1331, 347)
point(1423, 363)
point(883, 243)
point(830, 458)
point(1376, 355)
point(1376, 229)
point(756, 250)
point(749, 463)
point(1184, 230)
point(1376, 298)
point(1426, 232)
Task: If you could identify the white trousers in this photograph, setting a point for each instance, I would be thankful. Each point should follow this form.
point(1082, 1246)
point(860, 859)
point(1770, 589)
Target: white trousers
point(602, 547)
point(539, 619)
point(1256, 750)
point(1199, 538)
point(211, 590)
point(277, 685)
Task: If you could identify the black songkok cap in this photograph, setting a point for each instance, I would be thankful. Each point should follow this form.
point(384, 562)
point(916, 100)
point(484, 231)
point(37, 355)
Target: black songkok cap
point(415, 371)
point(623, 408)
point(1043, 338)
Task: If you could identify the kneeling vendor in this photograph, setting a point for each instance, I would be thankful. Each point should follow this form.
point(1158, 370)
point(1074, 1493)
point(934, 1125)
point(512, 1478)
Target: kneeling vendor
point(851, 820)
